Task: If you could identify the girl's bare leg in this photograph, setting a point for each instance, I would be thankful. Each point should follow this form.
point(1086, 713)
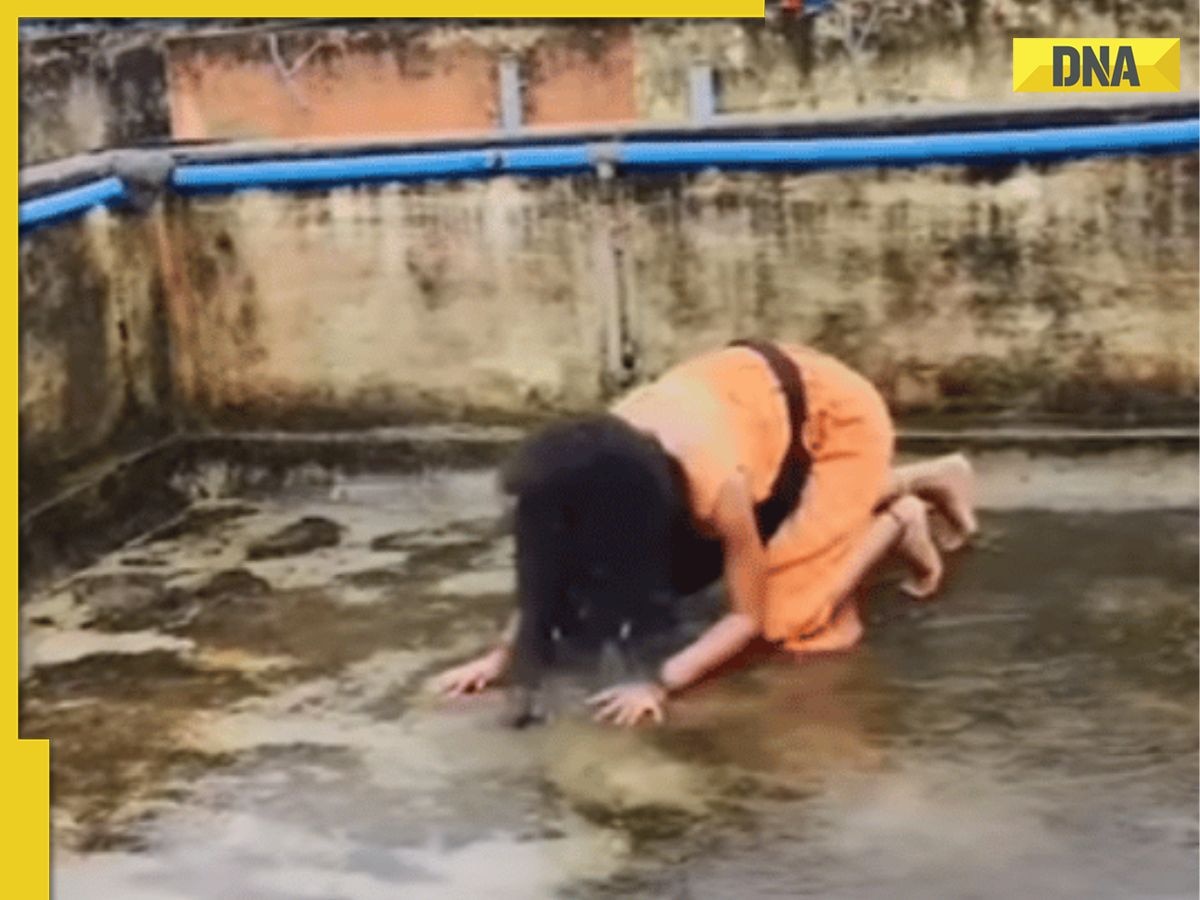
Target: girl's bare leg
point(902, 525)
point(917, 546)
point(948, 482)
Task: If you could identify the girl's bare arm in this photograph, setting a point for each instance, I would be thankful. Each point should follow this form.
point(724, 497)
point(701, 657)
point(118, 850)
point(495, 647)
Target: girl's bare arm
point(746, 580)
point(509, 635)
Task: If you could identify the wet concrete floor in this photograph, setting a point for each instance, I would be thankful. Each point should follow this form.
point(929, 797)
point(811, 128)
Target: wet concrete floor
point(236, 709)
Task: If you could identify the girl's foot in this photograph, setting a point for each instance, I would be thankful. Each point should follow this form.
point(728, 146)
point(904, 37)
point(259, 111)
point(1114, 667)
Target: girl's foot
point(917, 547)
point(949, 484)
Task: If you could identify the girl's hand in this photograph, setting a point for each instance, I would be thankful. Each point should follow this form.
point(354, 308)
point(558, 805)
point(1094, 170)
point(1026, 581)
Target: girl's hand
point(471, 677)
point(627, 704)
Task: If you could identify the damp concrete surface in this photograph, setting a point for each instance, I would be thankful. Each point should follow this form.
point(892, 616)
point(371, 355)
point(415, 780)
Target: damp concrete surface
point(237, 707)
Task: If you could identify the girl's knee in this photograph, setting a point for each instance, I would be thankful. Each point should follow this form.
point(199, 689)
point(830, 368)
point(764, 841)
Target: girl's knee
point(842, 632)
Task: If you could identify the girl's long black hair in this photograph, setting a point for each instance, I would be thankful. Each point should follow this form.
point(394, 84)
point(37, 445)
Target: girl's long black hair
point(596, 505)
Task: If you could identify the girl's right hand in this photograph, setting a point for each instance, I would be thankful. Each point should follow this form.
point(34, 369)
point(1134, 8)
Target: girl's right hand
point(472, 677)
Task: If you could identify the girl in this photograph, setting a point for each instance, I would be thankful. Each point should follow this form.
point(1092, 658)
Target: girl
point(771, 464)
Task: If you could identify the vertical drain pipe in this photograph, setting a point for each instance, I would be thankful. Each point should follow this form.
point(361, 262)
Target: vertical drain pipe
point(613, 280)
point(627, 319)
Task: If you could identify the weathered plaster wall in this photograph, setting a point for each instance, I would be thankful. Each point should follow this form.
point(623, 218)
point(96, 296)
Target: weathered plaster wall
point(1068, 289)
point(87, 92)
point(94, 344)
point(903, 52)
point(378, 305)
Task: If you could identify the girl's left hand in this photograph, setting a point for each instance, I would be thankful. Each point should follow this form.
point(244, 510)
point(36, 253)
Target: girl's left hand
point(628, 704)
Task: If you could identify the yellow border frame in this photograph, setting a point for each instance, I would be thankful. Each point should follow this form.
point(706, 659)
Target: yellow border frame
point(25, 765)
point(512, 9)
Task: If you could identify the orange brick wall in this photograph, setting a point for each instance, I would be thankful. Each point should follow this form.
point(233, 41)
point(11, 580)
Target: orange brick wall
point(328, 86)
point(381, 82)
point(566, 81)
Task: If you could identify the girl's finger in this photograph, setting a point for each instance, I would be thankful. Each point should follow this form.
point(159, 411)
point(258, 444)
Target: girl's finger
point(601, 697)
point(618, 711)
point(468, 684)
point(606, 712)
point(658, 713)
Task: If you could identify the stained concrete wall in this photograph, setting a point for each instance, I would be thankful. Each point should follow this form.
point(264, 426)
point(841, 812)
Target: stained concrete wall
point(94, 343)
point(882, 53)
point(1061, 290)
point(85, 92)
point(383, 304)
point(1068, 289)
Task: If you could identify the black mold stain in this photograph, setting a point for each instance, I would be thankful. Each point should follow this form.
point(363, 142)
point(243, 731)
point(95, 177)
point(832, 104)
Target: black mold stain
point(842, 332)
point(159, 338)
point(137, 96)
point(203, 273)
point(906, 297)
point(126, 75)
point(302, 536)
point(68, 307)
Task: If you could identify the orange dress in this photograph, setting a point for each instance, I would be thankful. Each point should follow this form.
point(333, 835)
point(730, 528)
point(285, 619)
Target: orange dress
point(723, 413)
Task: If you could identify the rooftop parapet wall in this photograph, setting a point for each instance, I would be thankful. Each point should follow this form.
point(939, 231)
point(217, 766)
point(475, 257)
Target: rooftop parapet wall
point(1063, 291)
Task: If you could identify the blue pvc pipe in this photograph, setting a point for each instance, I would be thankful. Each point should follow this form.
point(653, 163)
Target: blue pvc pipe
point(72, 201)
point(551, 160)
point(334, 170)
point(1031, 144)
point(990, 146)
point(969, 147)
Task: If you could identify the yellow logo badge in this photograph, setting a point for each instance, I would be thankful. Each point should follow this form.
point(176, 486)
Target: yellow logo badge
point(1095, 64)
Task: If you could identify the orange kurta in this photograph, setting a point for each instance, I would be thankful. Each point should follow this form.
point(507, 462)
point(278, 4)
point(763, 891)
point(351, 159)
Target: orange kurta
point(723, 414)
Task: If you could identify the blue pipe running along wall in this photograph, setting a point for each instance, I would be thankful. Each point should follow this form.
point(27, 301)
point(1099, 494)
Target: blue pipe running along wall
point(73, 201)
point(632, 155)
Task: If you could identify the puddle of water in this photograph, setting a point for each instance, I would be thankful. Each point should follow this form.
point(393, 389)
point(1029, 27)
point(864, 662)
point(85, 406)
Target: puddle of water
point(51, 647)
point(1032, 732)
point(485, 582)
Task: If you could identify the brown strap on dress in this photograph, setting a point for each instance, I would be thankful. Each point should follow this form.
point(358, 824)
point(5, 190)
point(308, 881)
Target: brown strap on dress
point(793, 471)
